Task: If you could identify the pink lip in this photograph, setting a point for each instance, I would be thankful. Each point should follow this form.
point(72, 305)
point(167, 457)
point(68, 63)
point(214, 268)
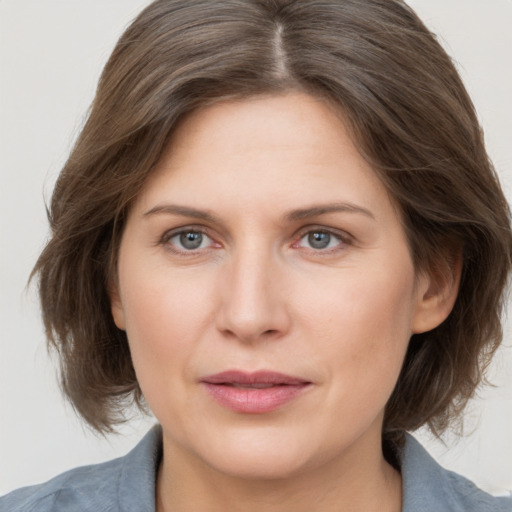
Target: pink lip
point(242, 392)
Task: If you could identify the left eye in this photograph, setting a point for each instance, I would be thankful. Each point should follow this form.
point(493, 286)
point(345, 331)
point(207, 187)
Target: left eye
point(320, 240)
point(190, 240)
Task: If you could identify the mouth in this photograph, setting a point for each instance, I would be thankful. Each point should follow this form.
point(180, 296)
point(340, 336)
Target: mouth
point(254, 393)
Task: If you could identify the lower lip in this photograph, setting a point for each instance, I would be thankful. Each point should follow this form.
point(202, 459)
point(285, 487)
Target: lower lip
point(253, 400)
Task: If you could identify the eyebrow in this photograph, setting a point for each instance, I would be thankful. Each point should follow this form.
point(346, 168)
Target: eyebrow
point(317, 210)
point(185, 211)
point(293, 215)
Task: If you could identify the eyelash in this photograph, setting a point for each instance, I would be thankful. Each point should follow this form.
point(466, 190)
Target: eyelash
point(343, 240)
point(166, 238)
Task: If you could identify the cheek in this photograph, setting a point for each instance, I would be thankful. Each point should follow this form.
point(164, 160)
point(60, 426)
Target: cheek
point(158, 327)
point(148, 307)
point(158, 303)
point(362, 321)
point(166, 317)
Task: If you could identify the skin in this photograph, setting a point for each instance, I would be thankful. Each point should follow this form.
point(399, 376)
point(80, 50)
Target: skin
point(263, 175)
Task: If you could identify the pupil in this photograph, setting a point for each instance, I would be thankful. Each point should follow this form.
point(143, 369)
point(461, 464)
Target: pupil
point(319, 240)
point(191, 240)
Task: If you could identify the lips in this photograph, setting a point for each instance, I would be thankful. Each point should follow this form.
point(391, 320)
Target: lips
point(254, 393)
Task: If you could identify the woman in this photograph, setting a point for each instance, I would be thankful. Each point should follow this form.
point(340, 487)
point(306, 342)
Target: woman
point(280, 230)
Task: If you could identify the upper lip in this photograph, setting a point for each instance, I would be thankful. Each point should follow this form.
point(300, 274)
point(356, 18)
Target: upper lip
point(250, 378)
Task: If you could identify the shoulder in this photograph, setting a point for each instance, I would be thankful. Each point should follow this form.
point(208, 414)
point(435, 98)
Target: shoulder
point(97, 487)
point(427, 486)
point(73, 490)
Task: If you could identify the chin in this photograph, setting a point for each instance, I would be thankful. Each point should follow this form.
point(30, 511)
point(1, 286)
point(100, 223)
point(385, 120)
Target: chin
point(262, 465)
point(259, 456)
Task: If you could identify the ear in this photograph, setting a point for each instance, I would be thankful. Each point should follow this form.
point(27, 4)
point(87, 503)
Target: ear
point(116, 306)
point(436, 292)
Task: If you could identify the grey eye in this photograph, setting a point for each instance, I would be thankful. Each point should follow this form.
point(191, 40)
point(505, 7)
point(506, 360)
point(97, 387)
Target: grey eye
point(191, 240)
point(319, 240)
point(187, 240)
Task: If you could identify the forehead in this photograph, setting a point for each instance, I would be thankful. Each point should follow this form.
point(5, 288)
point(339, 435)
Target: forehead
point(267, 119)
point(276, 153)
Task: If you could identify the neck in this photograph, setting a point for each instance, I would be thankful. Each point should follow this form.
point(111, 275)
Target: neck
point(355, 483)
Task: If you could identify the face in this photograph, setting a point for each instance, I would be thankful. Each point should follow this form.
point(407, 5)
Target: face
point(267, 290)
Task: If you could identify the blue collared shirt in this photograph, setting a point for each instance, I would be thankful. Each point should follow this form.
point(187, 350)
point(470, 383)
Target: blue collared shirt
point(127, 484)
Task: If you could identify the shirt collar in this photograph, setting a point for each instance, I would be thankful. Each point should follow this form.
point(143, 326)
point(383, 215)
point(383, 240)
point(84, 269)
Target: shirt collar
point(137, 480)
point(426, 486)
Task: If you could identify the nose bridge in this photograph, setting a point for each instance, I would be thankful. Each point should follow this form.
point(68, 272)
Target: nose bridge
point(253, 305)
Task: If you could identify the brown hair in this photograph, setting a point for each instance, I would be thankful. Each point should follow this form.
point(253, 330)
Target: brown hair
point(410, 117)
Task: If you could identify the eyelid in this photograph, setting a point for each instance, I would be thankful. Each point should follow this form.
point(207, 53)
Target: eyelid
point(344, 237)
point(340, 233)
point(165, 238)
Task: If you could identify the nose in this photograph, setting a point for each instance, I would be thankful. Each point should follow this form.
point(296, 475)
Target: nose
point(254, 304)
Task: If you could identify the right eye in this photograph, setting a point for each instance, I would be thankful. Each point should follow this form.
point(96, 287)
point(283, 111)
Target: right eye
point(187, 240)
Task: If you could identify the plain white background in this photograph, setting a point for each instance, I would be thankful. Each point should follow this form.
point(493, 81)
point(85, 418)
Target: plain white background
point(51, 54)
